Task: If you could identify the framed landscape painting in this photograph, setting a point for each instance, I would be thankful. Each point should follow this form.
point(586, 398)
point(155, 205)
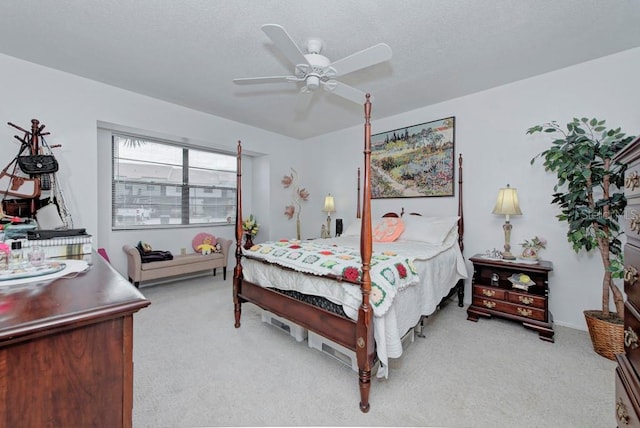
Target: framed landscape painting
point(414, 162)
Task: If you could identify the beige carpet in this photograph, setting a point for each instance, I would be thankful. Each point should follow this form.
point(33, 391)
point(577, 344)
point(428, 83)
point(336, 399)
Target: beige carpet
point(194, 369)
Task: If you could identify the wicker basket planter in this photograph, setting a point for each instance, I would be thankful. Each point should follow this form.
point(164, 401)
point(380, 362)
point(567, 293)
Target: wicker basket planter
point(607, 335)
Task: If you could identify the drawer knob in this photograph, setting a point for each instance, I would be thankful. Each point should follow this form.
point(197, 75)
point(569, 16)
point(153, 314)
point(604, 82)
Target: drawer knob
point(525, 300)
point(630, 275)
point(630, 338)
point(488, 293)
point(621, 412)
point(489, 304)
point(631, 182)
point(525, 312)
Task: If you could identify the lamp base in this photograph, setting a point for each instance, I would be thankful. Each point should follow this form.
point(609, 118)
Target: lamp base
point(506, 255)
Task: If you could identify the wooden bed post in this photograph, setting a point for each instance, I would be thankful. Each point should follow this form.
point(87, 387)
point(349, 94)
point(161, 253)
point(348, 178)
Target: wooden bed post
point(460, 284)
point(358, 209)
point(460, 209)
point(365, 345)
point(237, 271)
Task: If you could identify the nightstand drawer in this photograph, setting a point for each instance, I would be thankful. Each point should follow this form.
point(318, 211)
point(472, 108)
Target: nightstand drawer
point(492, 292)
point(527, 299)
point(510, 308)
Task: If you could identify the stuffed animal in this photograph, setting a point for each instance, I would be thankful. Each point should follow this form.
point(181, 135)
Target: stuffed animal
point(207, 246)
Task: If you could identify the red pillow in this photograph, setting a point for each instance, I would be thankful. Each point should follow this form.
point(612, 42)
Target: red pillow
point(388, 229)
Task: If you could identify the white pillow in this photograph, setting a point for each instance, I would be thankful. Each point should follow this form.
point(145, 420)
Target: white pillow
point(353, 229)
point(433, 230)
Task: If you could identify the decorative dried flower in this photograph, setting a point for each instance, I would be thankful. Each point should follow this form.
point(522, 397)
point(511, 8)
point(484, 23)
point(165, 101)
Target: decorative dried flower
point(289, 210)
point(303, 194)
point(287, 180)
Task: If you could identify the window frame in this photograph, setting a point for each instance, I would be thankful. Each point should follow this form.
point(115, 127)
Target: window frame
point(185, 187)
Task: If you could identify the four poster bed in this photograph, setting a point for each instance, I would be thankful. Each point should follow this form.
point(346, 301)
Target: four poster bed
point(341, 289)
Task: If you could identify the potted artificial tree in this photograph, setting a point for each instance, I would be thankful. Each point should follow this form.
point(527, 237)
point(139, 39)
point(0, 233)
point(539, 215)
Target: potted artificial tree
point(590, 195)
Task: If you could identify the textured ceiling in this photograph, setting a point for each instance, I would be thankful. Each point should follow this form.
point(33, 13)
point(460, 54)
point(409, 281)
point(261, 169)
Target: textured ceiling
point(188, 51)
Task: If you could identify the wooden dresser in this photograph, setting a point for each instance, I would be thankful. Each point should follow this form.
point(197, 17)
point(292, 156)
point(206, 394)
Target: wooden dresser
point(627, 403)
point(66, 351)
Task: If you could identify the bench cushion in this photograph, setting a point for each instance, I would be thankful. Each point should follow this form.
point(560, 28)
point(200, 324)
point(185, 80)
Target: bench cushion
point(181, 260)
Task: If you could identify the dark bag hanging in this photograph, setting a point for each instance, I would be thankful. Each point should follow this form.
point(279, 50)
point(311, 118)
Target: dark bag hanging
point(38, 164)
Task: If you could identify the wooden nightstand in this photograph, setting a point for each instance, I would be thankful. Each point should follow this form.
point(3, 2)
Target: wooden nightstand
point(529, 307)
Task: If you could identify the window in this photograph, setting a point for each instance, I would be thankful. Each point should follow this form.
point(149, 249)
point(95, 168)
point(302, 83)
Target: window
point(159, 184)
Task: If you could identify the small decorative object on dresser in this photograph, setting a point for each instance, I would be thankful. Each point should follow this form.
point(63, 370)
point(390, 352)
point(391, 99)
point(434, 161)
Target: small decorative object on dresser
point(512, 290)
point(531, 248)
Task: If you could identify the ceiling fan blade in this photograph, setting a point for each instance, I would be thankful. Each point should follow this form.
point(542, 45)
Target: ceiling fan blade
point(271, 79)
point(285, 43)
point(362, 59)
point(345, 91)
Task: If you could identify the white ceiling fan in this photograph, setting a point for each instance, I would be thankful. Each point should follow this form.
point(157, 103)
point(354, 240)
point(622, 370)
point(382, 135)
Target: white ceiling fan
point(316, 70)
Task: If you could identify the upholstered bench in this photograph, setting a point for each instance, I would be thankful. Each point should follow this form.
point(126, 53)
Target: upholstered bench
point(180, 265)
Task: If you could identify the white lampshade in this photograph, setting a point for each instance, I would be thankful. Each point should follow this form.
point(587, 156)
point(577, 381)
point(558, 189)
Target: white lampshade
point(329, 205)
point(507, 202)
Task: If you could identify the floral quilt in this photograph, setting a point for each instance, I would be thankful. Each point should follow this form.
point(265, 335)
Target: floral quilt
point(389, 272)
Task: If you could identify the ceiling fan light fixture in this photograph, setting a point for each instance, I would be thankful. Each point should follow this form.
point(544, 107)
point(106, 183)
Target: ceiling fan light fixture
point(313, 82)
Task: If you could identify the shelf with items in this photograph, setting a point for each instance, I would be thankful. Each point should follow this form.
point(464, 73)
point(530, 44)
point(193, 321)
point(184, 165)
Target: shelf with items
point(494, 294)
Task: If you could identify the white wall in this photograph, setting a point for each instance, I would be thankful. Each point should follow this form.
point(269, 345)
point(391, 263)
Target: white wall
point(491, 134)
point(72, 107)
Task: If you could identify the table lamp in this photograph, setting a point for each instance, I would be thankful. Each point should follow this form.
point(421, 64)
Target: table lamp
point(329, 207)
point(507, 205)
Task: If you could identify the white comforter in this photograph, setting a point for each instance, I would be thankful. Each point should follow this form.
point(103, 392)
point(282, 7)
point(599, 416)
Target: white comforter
point(439, 268)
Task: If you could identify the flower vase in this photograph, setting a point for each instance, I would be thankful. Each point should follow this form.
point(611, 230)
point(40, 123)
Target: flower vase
point(248, 241)
point(530, 253)
point(298, 228)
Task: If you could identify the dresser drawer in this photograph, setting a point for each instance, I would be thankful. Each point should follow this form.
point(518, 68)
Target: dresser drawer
point(632, 335)
point(632, 180)
point(510, 308)
point(631, 220)
point(493, 292)
point(624, 411)
point(626, 399)
point(632, 274)
point(526, 299)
